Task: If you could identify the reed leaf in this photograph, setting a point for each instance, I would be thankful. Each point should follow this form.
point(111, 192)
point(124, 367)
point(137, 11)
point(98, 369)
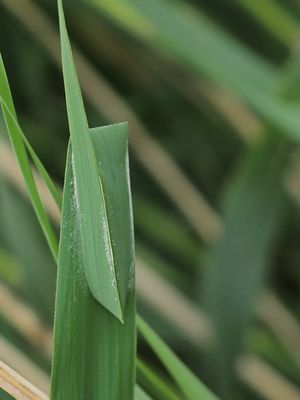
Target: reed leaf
point(99, 265)
point(154, 383)
point(6, 98)
point(94, 354)
point(15, 135)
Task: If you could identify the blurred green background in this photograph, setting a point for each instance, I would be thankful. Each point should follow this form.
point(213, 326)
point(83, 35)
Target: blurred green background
point(211, 90)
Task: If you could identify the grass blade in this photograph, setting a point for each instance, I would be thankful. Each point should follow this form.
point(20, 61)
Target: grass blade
point(94, 357)
point(99, 266)
point(186, 380)
point(5, 94)
point(15, 135)
point(154, 383)
point(111, 147)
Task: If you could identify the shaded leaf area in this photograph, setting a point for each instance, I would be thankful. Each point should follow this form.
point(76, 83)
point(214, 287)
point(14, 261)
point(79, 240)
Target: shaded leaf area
point(237, 265)
point(94, 354)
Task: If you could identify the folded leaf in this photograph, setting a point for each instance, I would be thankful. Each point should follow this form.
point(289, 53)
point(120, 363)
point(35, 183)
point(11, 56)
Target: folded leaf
point(111, 146)
point(94, 355)
point(97, 251)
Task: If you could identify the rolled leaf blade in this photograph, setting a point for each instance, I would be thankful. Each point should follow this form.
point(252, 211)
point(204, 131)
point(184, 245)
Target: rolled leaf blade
point(111, 146)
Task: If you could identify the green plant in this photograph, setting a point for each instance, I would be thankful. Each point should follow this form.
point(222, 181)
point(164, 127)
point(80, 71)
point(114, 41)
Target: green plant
point(94, 330)
point(211, 93)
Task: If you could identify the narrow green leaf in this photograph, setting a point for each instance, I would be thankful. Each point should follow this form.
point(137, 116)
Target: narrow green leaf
point(94, 355)
point(5, 89)
point(186, 380)
point(15, 134)
point(99, 265)
point(111, 146)
point(5, 94)
point(154, 383)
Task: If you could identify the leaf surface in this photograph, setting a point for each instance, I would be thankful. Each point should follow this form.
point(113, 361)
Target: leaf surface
point(99, 265)
point(94, 354)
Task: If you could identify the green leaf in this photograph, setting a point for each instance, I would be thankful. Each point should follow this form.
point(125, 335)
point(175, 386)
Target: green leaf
point(97, 249)
point(186, 380)
point(94, 355)
point(154, 383)
point(5, 95)
point(5, 89)
point(15, 135)
point(111, 146)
